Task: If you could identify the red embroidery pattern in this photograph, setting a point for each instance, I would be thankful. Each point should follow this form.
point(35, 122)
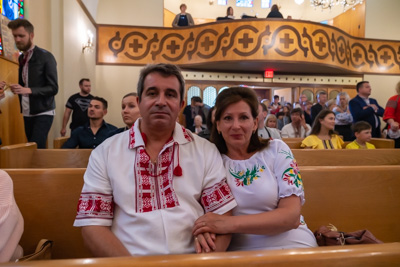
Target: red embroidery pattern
point(154, 187)
point(132, 137)
point(186, 134)
point(95, 205)
point(216, 196)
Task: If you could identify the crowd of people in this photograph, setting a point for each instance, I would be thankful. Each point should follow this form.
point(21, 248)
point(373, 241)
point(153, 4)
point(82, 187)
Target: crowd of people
point(223, 181)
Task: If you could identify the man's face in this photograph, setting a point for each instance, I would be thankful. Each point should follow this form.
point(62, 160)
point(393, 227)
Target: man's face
point(303, 98)
point(86, 87)
point(96, 110)
point(160, 101)
point(23, 39)
point(322, 99)
point(365, 90)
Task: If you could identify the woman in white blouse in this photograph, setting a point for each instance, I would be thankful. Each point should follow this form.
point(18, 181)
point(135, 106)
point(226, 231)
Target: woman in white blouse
point(263, 176)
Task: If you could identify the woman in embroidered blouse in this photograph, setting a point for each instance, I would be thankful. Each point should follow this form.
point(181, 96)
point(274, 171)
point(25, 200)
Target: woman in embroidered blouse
point(322, 134)
point(263, 177)
point(343, 118)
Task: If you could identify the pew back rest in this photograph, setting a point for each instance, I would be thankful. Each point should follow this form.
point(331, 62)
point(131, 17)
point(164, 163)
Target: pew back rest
point(347, 157)
point(48, 199)
point(7, 157)
point(59, 141)
point(354, 198)
point(46, 158)
point(295, 143)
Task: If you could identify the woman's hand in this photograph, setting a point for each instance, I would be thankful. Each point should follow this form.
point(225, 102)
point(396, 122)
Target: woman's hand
point(204, 243)
point(212, 223)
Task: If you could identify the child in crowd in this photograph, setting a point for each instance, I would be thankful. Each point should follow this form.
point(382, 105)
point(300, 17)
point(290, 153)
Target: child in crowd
point(362, 131)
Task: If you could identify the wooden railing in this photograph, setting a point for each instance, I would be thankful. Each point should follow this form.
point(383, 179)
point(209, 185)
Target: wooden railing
point(252, 41)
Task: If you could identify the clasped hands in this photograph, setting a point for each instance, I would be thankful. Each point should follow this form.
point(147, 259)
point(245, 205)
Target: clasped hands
point(205, 230)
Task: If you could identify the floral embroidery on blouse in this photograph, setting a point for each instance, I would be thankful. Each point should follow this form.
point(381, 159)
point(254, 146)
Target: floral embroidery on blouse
point(247, 177)
point(292, 174)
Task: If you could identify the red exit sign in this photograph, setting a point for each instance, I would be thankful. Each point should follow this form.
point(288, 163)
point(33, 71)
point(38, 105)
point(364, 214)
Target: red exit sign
point(269, 74)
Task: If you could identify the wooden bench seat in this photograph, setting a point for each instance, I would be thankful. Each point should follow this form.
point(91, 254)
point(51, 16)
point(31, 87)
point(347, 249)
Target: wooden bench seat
point(343, 256)
point(347, 157)
point(352, 198)
point(294, 143)
point(45, 158)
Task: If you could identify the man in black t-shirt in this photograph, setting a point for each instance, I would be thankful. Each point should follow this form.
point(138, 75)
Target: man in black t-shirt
point(78, 105)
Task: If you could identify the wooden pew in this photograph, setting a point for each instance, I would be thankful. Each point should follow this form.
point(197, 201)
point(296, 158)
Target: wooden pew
point(343, 256)
point(7, 152)
point(294, 143)
point(45, 158)
point(347, 157)
point(48, 199)
point(59, 141)
point(354, 198)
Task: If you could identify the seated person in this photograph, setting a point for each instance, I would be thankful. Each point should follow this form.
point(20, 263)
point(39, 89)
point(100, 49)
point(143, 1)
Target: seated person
point(323, 135)
point(198, 124)
point(130, 112)
point(263, 176)
point(298, 127)
point(362, 131)
point(263, 131)
point(11, 221)
point(210, 121)
point(144, 188)
point(95, 131)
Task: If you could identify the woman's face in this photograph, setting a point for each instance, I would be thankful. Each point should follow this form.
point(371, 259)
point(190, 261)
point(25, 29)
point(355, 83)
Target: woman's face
point(328, 122)
point(343, 100)
point(230, 11)
point(130, 110)
point(237, 125)
point(271, 123)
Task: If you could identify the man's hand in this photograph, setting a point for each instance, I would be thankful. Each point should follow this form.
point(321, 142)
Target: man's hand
point(63, 131)
point(19, 90)
point(394, 126)
point(374, 107)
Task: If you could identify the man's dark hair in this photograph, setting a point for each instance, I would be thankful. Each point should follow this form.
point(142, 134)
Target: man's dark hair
point(164, 70)
point(15, 24)
point(83, 80)
point(276, 96)
point(197, 99)
point(297, 110)
point(360, 84)
point(102, 100)
point(361, 126)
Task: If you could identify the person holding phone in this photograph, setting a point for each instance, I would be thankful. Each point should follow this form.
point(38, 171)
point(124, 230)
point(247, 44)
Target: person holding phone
point(298, 127)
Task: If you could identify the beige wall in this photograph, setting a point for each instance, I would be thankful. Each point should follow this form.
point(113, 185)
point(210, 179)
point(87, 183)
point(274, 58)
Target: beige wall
point(286, 93)
point(380, 14)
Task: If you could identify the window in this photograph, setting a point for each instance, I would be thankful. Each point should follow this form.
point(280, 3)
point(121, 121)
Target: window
point(222, 89)
point(209, 95)
point(265, 3)
point(244, 3)
point(192, 91)
point(12, 9)
point(222, 2)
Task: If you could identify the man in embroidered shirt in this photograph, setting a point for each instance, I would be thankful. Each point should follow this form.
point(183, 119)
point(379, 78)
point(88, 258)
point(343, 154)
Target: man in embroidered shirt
point(144, 188)
point(37, 83)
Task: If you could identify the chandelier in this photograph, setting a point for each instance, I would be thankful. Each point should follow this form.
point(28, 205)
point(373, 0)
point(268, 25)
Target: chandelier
point(324, 4)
